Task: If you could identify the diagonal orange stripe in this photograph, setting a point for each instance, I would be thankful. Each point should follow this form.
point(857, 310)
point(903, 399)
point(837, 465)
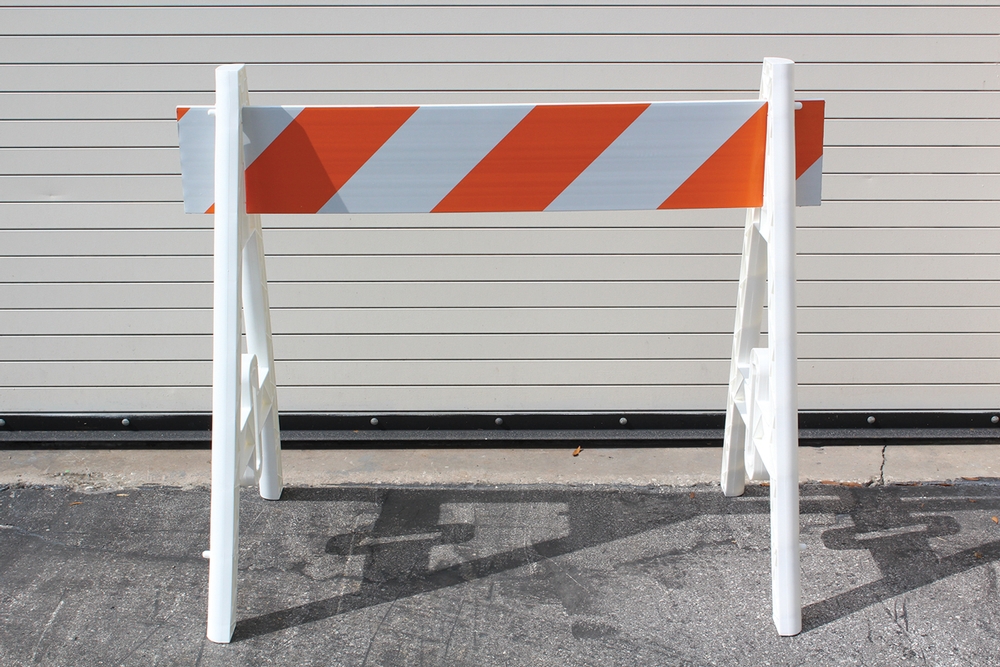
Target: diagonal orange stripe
point(808, 135)
point(733, 177)
point(316, 154)
point(542, 155)
point(181, 111)
point(344, 138)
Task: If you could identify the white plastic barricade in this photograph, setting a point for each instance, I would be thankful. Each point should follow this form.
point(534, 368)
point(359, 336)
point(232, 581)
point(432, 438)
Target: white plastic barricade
point(765, 155)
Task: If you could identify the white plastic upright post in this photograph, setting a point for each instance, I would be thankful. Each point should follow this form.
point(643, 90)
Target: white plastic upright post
point(779, 197)
point(761, 434)
point(230, 82)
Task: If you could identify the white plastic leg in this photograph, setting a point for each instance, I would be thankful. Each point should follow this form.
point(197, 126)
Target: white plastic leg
point(733, 473)
point(759, 448)
point(786, 584)
point(779, 187)
point(226, 362)
point(256, 313)
point(249, 449)
point(271, 478)
point(746, 335)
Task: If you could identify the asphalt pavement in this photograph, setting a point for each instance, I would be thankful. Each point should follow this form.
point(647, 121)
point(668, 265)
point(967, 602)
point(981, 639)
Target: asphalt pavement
point(503, 574)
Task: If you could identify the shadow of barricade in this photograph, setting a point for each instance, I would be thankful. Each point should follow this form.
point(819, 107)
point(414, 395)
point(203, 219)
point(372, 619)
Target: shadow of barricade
point(398, 546)
point(896, 526)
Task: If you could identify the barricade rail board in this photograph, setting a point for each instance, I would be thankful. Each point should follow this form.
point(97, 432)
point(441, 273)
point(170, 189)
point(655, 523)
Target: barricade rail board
point(501, 158)
point(764, 155)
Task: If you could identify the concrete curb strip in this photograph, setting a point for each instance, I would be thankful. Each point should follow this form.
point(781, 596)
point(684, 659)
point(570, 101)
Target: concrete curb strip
point(120, 469)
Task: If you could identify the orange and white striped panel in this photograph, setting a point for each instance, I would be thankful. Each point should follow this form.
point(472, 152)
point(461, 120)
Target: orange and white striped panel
point(196, 136)
point(809, 152)
point(559, 157)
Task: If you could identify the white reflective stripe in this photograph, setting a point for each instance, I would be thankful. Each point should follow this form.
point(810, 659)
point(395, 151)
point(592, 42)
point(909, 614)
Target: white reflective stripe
point(809, 186)
point(426, 158)
point(261, 126)
point(654, 156)
point(196, 137)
